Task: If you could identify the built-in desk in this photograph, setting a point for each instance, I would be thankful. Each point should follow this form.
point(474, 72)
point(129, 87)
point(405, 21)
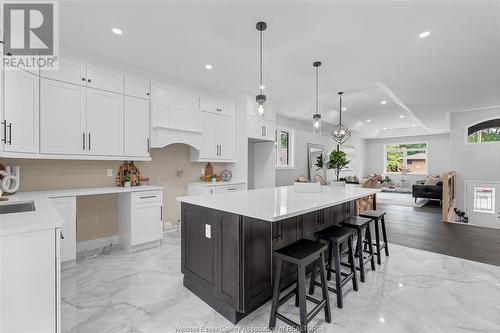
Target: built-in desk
point(140, 210)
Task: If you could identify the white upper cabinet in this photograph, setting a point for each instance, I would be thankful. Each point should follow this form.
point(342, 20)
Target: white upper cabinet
point(62, 118)
point(136, 127)
point(175, 109)
point(104, 123)
point(20, 121)
point(218, 106)
point(70, 71)
point(217, 139)
point(261, 128)
point(104, 78)
point(137, 87)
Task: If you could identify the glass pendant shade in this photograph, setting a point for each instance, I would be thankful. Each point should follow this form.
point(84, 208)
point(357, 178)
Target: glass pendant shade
point(317, 124)
point(341, 133)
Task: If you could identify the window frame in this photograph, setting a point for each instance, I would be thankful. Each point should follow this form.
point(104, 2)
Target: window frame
point(466, 130)
point(291, 148)
point(425, 172)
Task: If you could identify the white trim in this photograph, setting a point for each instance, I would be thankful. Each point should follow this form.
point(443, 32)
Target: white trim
point(97, 243)
point(291, 148)
point(475, 122)
point(427, 163)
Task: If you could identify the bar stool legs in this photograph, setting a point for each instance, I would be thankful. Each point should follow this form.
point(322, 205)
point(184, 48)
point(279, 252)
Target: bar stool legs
point(384, 234)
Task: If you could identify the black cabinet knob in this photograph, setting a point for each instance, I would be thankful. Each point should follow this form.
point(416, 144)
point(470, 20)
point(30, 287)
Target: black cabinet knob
point(83, 79)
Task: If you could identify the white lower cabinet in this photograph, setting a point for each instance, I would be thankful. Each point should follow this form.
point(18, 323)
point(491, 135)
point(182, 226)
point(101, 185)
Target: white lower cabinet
point(211, 188)
point(30, 283)
point(141, 221)
point(67, 209)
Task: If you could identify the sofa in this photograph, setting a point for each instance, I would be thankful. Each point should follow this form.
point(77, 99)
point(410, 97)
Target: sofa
point(420, 190)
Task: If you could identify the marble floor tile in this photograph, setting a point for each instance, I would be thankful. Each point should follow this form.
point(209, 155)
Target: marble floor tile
point(413, 291)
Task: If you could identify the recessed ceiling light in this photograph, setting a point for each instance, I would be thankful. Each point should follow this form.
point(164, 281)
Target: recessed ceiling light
point(424, 34)
point(208, 66)
point(368, 120)
point(117, 31)
point(344, 109)
point(262, 87)
point(384, 128)
point(383, 102)
point(381, 319)
point(412, 125)
point(401, 116)
point(400, 284)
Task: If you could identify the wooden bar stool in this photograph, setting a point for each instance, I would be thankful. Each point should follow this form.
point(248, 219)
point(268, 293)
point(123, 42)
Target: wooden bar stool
point(301, 253)
point(360, 224)
point(337, 236)
point(376, 216)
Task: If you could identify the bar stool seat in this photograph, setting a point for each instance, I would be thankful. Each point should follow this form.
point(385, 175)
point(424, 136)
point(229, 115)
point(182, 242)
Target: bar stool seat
point(337, 236)
point(376, 216)
point(360, 224)
point(302, 253)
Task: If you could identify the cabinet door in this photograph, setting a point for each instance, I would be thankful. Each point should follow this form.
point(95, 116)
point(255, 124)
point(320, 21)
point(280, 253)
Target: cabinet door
point(105, 79)
point(67, 209)
point(28, 283)
point(136, 127)
point(104, 123)
point(217, 106)
point(268, 129)
point(21, 111)
point(309, 225)
point(209, 145)
point(70, 71)
point(62, 118)
point(225, 137)
point(137, 87)
point(284, 233)
point(146, 223)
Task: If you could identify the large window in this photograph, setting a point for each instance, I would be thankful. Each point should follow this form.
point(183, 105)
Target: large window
point(410, 158)
point(284, 142)
point(486, 131)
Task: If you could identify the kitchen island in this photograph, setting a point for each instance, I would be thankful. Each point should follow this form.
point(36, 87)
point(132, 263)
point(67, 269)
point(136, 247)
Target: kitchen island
point(228, 239)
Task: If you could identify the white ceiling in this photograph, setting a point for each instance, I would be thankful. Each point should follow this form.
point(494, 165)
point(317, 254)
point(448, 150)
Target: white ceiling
point(371, 50)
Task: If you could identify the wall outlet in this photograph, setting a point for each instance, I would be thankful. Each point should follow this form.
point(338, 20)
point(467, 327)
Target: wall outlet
point(109, 172)
point(202, 171)
point(208, 231)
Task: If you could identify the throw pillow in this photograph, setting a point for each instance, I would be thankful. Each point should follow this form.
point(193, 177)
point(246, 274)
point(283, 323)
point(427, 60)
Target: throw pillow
point(432, 180)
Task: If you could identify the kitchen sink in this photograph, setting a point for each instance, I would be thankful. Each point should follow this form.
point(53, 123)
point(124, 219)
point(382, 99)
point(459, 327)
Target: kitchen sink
point(18, 207)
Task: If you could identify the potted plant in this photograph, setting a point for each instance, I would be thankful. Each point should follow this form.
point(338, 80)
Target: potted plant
point(461, 216)
point(126, 180)
point(337, 162)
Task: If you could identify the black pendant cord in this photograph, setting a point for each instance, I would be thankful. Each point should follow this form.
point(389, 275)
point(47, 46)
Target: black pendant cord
point(261, 62)
point(317, 89)
point(340, 109)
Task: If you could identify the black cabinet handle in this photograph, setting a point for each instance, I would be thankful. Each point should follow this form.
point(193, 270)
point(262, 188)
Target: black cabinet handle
point(10, 133)
point(89, 80)
point(62, 235)
point(148, 197)
point(4, 139)
point(149, 147)
point(83, 79)
point(147, 94)
point(161, 213)
point(89, 141)
point(83, 136)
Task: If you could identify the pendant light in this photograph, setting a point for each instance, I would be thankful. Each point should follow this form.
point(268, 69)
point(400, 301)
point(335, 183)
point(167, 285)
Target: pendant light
point(340, 133)
point(261, 98)
point(317, 115)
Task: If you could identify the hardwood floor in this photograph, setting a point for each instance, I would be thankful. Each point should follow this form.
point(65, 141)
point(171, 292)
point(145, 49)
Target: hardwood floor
point(421, 228)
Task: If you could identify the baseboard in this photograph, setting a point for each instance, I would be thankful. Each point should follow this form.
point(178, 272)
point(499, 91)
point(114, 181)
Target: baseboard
point(97, 243)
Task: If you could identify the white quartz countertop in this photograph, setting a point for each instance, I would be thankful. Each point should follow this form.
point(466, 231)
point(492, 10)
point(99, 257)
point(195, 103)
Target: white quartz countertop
point(221, 183)
point(46, 215)
point(278, 203)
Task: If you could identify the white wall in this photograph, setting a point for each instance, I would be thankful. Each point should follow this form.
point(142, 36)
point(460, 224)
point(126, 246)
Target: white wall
point(472, 162)
point(302, 132)
point(438, 154)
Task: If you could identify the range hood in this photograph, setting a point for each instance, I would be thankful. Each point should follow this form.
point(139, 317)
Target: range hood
point(162, 136)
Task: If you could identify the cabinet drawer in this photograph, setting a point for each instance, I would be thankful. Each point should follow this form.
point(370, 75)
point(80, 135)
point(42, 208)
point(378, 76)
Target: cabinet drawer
point(227, 188)
point(147, 196)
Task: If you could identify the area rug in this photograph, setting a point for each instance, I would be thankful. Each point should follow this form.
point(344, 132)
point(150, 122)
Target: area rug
point(400, 199)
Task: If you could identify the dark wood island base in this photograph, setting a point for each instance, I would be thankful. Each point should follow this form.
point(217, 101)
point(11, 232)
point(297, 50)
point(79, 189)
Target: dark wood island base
point(227, 259)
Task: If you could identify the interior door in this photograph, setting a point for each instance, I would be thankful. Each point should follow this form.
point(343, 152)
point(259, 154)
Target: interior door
point(104, 123)
point(21, 111)
point(483, 203)
point(62, 118)
point(136, 127)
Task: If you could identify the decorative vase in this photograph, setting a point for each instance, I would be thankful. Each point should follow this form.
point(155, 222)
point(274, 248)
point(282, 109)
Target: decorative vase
point(127, 184)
